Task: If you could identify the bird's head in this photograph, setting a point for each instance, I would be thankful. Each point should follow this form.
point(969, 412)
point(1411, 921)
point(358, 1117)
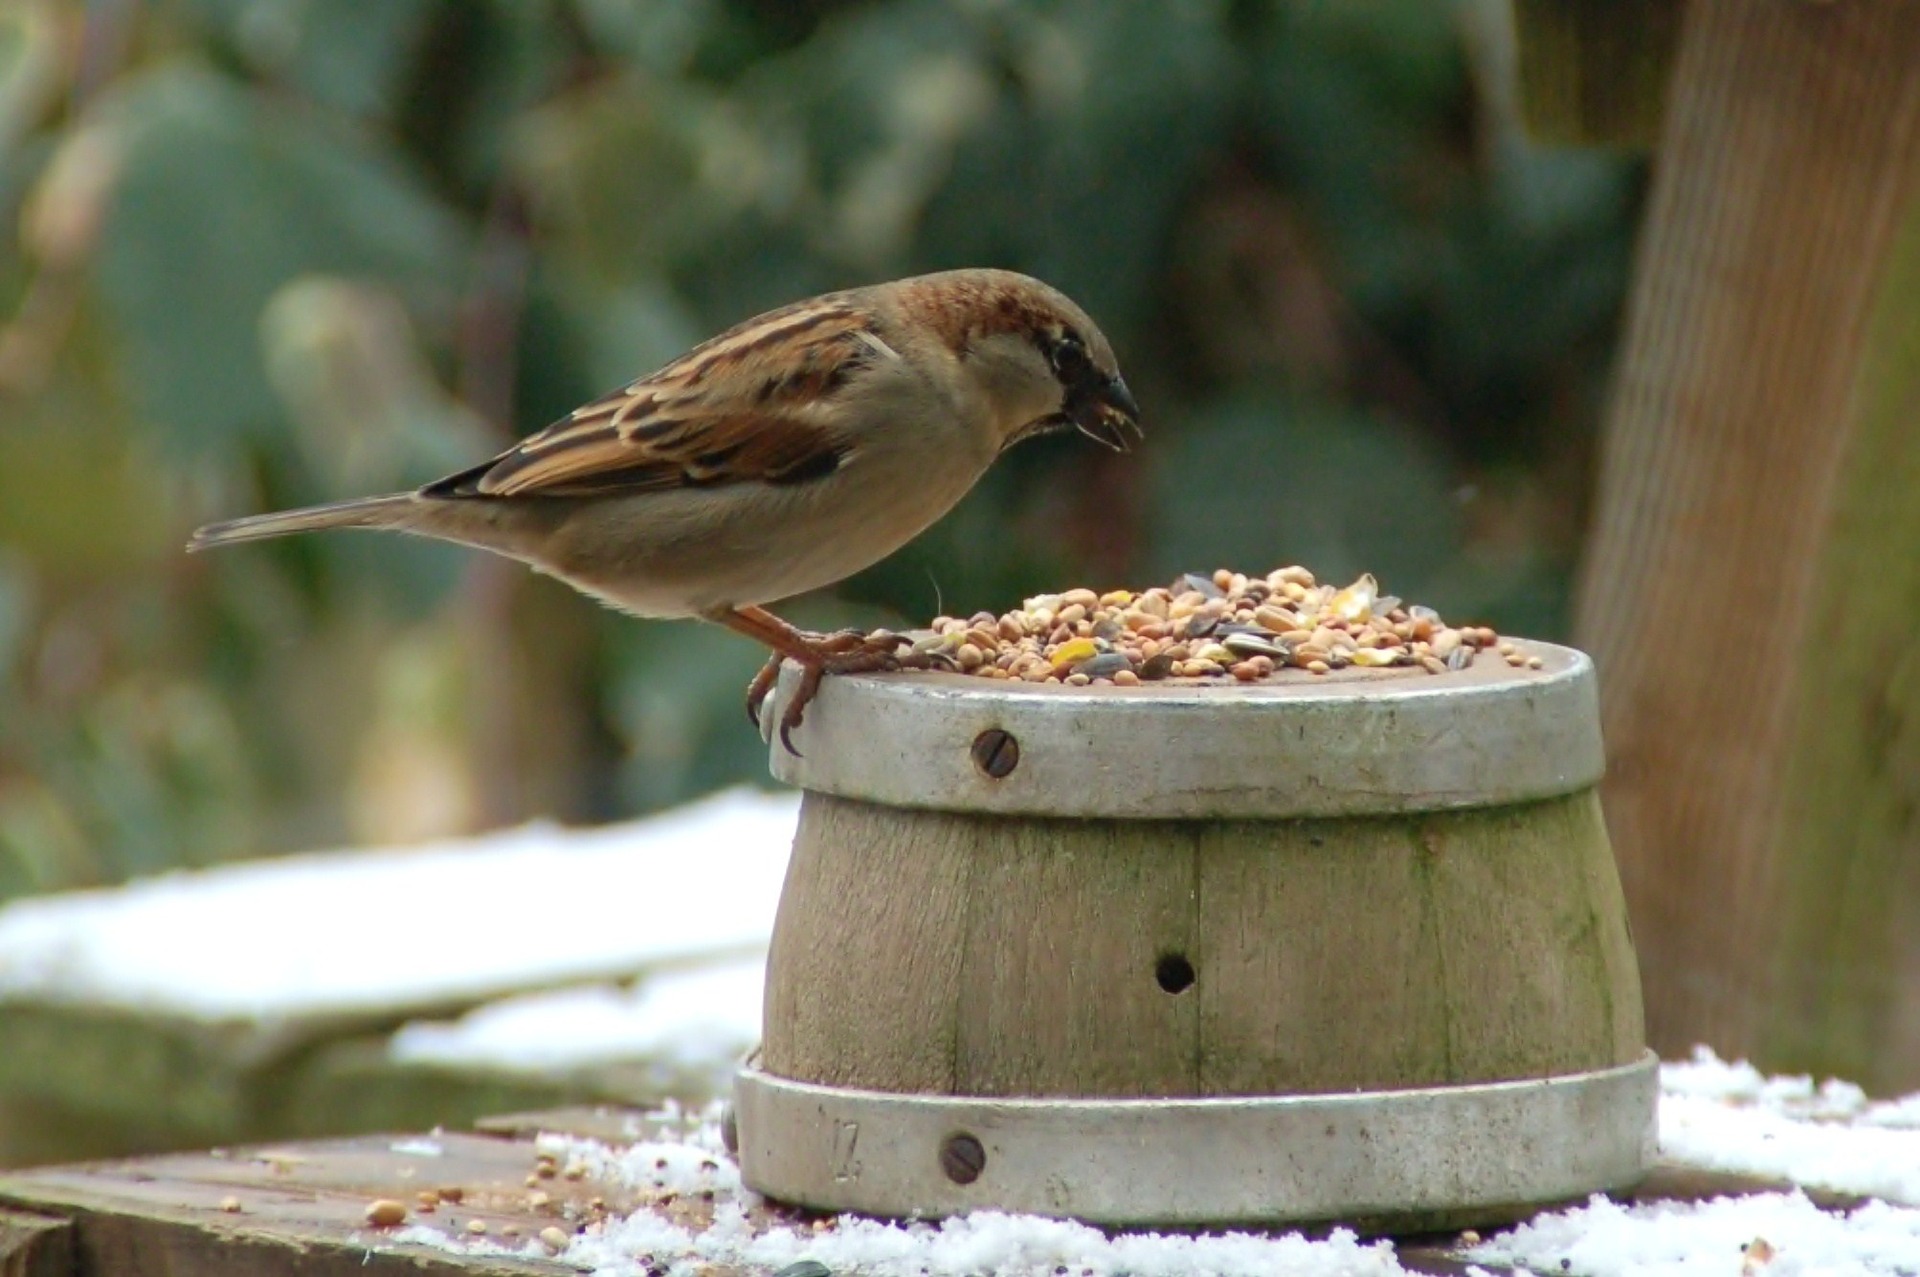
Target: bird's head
point(1041, 361)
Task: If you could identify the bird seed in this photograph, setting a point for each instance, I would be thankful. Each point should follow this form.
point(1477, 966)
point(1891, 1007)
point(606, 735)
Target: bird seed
point(1226, 627)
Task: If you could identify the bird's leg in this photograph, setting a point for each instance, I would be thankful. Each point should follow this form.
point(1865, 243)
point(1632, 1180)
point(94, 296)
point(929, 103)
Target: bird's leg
point(842, 652)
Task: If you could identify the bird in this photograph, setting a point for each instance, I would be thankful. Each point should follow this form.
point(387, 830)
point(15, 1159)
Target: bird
point(780, 456)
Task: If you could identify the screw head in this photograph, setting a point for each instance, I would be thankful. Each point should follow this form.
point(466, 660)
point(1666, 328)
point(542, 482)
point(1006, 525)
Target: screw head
point(996, 753)
point(962, 1158)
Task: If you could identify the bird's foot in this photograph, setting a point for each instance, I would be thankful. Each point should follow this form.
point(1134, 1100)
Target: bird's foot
point(837, 643)
point(845, 652)
point(841, 652)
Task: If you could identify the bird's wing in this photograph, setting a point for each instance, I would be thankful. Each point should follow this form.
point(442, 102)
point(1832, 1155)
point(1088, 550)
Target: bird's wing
point(752, 405)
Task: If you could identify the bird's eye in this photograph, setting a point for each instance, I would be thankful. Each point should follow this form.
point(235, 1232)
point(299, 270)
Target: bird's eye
point(1069, 358)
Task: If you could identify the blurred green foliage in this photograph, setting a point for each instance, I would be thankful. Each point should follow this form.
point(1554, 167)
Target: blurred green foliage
point(276, 251)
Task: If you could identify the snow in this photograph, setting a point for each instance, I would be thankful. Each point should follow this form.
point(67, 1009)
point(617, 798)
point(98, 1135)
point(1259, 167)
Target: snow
point(1781, 1235)
point(704, 1016)
point(1726, 1116)
point(345, 932)
point(1729, 1118)
point(983, 1242)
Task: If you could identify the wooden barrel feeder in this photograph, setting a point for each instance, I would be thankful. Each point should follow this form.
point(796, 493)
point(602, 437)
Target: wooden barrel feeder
point(1339, 948)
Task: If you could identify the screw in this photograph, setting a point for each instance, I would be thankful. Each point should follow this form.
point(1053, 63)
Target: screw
point(996, 753)
point(962, 1158)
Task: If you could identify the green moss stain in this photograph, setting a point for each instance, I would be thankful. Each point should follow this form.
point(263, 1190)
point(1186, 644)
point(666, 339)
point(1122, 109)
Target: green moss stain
point(1848, 850)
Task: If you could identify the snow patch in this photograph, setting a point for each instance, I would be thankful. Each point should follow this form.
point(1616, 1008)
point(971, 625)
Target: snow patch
point(344, 932)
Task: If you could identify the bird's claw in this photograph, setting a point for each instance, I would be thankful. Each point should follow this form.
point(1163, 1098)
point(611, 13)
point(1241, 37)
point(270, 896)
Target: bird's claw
point(876, 653)
point(762, 683)
point(834, 644)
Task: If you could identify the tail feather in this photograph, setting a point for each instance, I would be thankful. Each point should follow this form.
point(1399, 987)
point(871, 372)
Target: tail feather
point(366, 512)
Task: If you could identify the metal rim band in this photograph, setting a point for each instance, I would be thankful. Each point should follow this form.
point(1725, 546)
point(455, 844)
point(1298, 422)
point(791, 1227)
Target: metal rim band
point(1351, 1156)
point(1373, 743)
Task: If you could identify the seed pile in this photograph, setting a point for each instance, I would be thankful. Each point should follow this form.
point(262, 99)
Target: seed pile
point(1225, 626)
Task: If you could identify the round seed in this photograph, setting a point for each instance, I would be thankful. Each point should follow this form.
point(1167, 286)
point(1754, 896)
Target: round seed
point(384, 1212)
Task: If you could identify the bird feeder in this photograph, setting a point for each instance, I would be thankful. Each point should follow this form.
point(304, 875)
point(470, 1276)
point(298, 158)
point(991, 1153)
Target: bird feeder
point(1339, 948)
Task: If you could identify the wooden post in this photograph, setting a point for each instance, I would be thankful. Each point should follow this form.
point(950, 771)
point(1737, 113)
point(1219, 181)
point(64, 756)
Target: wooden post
point(1595, 71)
point(1752, 593)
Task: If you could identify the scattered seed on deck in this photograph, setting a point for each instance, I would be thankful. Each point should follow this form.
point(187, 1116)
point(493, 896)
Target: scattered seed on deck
point(384, 1212)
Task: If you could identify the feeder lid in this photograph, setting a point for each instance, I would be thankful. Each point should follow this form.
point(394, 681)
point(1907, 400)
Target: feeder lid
point(1351, 743)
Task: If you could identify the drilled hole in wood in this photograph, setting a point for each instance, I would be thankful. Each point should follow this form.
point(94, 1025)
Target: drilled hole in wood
point(1174, 972)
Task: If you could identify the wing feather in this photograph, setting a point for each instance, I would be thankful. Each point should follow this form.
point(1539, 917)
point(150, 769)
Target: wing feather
point(748, 406)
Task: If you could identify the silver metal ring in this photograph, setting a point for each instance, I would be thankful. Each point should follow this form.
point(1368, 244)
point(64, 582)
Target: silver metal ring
point(1435, 1154)
point(1370, 742)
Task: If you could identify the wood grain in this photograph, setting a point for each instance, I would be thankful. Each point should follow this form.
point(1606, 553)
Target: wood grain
point(1067, 920)
point(864, 966)
point(35, 1245)
point(1765, 840)
point(991, 955)
point(302, 1210)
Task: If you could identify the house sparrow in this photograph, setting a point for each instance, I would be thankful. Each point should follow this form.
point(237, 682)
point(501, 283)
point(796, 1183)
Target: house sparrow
point(783, 455)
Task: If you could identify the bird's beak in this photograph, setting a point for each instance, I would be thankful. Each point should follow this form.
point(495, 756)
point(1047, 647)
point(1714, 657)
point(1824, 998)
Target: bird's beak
point(1109, 416)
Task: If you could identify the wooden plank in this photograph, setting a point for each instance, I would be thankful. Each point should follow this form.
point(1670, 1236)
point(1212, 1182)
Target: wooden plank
point(1847, 958)
point(610, 1124)
point(1667, 1182)
point(1067, 922)
point(1370, 954)
point(35, 1245)
point(300, 1209)
point(867, 936)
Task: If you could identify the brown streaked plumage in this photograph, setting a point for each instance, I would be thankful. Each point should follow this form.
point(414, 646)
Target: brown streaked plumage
point(782, 455)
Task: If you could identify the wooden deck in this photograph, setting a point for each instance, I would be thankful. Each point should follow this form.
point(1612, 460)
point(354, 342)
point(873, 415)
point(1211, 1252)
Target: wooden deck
point(301, 1209)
